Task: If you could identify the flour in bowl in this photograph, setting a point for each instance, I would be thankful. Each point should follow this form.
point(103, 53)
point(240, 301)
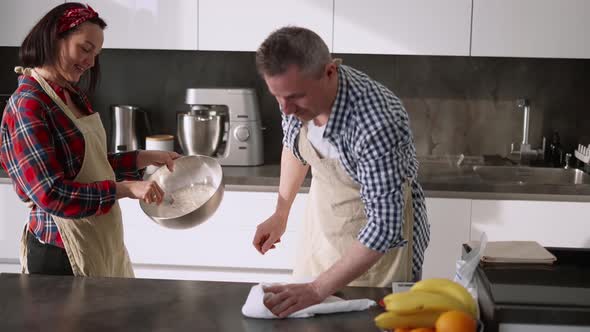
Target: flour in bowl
point(183, 201)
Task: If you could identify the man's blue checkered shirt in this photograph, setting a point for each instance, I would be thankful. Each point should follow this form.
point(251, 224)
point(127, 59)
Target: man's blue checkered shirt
point(370, 129)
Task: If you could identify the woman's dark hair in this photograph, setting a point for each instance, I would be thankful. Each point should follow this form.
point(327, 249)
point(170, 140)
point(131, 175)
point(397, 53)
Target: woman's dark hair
point(40, 46)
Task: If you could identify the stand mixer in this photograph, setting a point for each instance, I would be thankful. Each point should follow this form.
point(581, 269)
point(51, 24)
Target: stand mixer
point(224, 124)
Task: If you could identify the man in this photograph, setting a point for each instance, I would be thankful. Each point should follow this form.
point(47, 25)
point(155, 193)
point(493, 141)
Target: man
point(365, 222)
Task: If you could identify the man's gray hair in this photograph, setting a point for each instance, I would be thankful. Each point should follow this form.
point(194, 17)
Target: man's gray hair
point(289, 46)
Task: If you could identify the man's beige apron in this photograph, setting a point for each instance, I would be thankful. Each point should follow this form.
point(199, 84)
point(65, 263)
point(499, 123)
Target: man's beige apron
point(94, 244)
point(335, 214)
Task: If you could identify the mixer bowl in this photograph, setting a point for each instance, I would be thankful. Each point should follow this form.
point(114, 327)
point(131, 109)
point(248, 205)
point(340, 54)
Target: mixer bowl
point(200, 133)
point(193, 192)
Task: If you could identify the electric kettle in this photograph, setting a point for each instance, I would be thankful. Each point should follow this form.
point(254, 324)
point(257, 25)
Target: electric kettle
point(129, 127)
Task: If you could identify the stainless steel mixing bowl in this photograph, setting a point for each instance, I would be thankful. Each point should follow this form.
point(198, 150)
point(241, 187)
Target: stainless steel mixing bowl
point(180, 187)
point(200, 133)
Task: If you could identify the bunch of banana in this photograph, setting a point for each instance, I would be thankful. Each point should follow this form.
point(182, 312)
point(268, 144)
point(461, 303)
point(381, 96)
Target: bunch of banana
point(424, 303)
point(448, 288)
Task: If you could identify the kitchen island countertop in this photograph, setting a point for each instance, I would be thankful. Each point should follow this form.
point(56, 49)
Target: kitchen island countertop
point(62, 303)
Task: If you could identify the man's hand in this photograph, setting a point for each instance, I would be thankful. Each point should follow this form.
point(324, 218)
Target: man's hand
point(284, 300)
point(156, 158)
point(269, 232)
point(287, 299)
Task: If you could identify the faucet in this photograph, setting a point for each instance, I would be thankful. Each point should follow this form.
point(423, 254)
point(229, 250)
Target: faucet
point(568, 161)
point(526, 153)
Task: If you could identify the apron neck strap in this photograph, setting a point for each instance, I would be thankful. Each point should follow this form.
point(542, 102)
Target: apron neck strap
point(47, 88)
point(23, 71)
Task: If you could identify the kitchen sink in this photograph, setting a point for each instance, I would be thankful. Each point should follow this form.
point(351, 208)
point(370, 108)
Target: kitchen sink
point(445, 172)
point(531, 175)
point(434, 172)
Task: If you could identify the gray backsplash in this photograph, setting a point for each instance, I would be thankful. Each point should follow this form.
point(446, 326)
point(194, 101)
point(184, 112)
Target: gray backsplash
point(456, 104)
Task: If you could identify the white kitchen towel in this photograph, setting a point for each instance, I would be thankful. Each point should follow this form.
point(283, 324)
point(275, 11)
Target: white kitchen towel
point(255, 308)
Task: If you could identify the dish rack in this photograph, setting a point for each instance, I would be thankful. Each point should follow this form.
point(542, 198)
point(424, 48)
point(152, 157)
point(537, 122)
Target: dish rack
point(583, 153)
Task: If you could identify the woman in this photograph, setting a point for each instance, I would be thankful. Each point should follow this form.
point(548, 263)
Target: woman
point(54, 150)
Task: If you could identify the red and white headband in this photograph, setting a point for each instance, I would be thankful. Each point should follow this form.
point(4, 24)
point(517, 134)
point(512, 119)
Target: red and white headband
point(75, 16)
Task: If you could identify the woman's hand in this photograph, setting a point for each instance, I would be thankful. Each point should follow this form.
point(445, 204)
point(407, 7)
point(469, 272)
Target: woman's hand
point(148, 191)
point(156, 158)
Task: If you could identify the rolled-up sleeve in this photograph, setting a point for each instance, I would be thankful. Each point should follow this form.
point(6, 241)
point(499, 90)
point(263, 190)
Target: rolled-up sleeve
point(125, 165)
point(382, 171)
point(30, 157)
point(291, 127)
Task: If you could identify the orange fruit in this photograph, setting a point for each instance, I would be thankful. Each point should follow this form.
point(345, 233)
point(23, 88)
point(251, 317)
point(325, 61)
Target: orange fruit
point(455, 321)
point(423, 329)
point(402, 329)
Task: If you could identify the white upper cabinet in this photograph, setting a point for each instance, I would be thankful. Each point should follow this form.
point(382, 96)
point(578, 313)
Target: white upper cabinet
point(237, 25)
point(154, 24)
point(425, 27)
point(531, 28)
point(19, 16)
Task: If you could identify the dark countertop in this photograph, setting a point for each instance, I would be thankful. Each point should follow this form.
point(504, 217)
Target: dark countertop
point(436, 182)
point(441, 182)
point(551, 294)
point(257, 176)
point(55, 303)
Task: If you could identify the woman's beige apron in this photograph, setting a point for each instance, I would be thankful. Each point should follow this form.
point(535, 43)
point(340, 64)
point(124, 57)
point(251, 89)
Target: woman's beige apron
point(335, 215)
point(94, 244)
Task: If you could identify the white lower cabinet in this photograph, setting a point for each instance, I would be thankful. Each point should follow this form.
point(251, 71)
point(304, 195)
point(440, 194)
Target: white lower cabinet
point(13, 217)
point(449, 228)
point(12, 266)
point(554, 224)
point(219, 249)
